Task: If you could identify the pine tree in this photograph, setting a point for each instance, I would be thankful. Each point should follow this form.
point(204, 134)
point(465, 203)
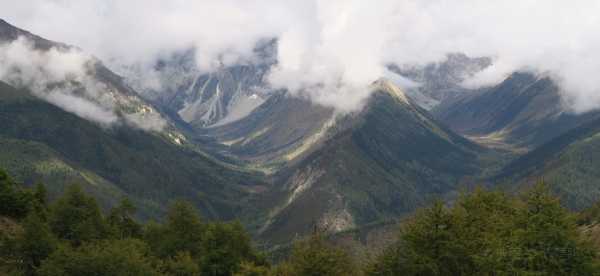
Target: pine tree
point(127, 257)
point(36, 244)
point(181, 264)
point(16, 202)
point(315, 257)
point(225, 246)
point(548, 238)
point(121, 220)
point(182, 232)
point(76, 217)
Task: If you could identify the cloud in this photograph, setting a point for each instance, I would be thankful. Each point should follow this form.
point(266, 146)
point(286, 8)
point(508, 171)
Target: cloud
point(66, 78)
point(83, 108)
point(332, 50)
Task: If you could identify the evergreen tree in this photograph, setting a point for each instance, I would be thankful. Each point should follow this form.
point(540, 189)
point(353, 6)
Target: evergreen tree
point(315, 257)
point(548, 239)
point(121, 220)
point(16, 202)
point(36, 244)
point(127, 257)
point(182, 232)
point(181, 265)
point(76, 217)
point(40, 200)
point(225, 246)
point(488, 233)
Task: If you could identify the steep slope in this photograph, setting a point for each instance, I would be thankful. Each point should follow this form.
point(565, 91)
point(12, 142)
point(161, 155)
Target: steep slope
point(377, 164)
point(524, 110)
point(567, 163)
point(41, 142)
point(281, 130)
point(218, 98)
point(205, 99)
point(9, 33)
point(101, 90)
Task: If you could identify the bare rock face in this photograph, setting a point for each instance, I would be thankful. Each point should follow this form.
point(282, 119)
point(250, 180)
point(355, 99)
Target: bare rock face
point(204, 99)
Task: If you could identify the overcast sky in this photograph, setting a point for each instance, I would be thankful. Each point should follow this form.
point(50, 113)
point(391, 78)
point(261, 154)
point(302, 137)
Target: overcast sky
point(339, 46)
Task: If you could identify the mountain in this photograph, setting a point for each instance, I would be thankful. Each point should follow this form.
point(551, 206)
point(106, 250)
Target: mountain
point(105, 94)
point(524, 110)
point(9, 33)
point(56, 144)
point(567, 164)
point(205, 99)
point(441, 81)
point(373, 165)
point(41, 142)
point(280, 131)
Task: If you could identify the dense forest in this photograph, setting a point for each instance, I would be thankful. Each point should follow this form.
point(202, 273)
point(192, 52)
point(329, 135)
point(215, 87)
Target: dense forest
point(481, 233)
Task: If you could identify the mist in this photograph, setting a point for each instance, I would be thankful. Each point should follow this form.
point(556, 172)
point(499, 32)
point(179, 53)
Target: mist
point(65, 78)
point(330, 51)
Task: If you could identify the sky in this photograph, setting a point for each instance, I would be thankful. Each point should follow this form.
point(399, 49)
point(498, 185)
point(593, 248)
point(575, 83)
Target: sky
point(332, 50)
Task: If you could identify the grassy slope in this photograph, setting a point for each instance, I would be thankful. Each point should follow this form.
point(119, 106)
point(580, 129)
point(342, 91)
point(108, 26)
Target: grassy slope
point(568, 163)
point(143, 165)
point(392, 159)
point(523, 110)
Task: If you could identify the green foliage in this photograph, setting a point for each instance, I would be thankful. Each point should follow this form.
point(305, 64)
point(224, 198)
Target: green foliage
point(15, 202)
point(127, 257)
point(225, 247)
point(489, 233)
point(182, 232)
point(590, 215)
point(76, 217)
point(315, 257)
point(36, 244)
point(121, 221)
point(146, 166)
point(548, 237)
point(72, 237)
point(251, 269)
point(217, 248)
point(181, 265)
point(483, 233)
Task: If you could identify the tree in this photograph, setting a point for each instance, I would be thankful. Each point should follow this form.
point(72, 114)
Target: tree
point(16, 202)
point(315, 257)
point(40, 201)
point(225, 247)
point(127, 257)
point(76, 217)
point(429, 244)
point(121, 221)
point(181, 264)
point(251, 269)
point(548, 239)
point(36, 243)
point(182, 232)
point(489, 233)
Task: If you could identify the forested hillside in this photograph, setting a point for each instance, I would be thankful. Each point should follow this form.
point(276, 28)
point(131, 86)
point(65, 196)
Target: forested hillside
point(483, 233)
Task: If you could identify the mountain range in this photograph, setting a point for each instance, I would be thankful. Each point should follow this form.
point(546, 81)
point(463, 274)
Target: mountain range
point(284, 165)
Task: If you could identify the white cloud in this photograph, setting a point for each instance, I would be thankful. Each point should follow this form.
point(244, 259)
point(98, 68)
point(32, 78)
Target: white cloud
point(82, 107)
point(66, 78)
point(330, 50)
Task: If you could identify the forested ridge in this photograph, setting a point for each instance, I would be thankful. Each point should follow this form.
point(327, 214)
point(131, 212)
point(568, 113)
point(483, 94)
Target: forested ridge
point(481, 233)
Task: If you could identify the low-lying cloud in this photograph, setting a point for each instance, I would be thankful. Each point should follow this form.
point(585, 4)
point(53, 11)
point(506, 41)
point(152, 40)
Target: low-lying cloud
point(65, 77)
point(331, 50)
